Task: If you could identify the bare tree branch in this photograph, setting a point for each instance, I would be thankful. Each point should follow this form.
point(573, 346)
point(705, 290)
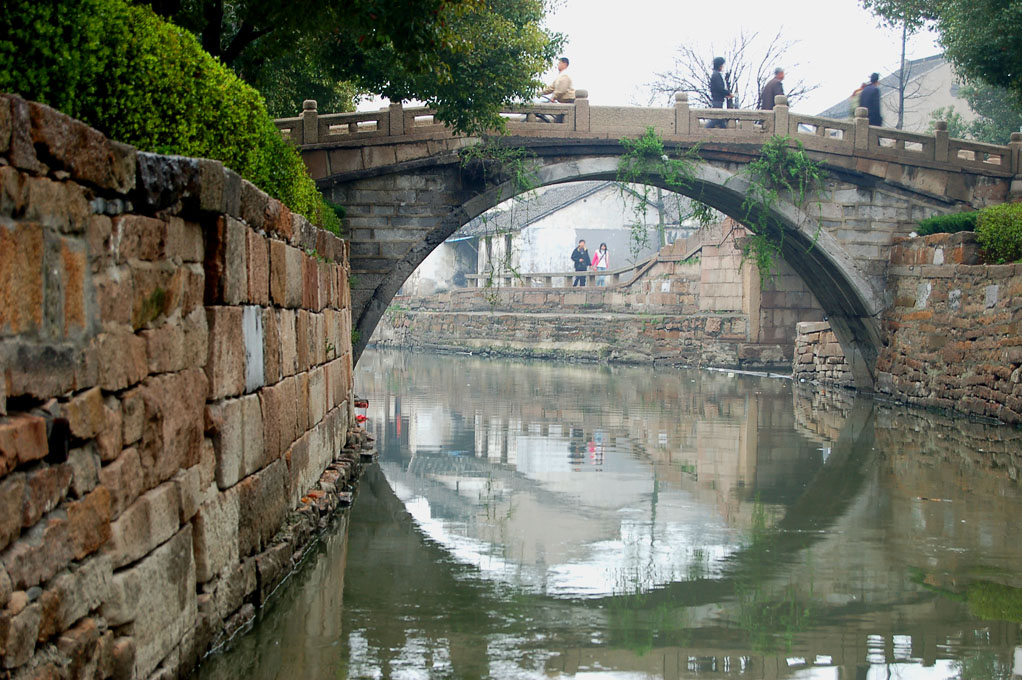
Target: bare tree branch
point(750, 66)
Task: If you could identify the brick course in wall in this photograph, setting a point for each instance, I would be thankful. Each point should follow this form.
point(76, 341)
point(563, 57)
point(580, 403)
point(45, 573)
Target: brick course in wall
point(175, 376)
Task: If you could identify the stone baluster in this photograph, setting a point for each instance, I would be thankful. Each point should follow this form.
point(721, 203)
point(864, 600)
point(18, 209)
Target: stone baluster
point(940, 141)
point(582, 110)
point(781, 115)
point(861, 128)
point(310, 122)
point(682, 119)
point(395, 119)
point(1015, 152)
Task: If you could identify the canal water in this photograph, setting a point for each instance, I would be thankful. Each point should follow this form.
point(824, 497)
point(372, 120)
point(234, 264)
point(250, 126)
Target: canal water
point(542, 520)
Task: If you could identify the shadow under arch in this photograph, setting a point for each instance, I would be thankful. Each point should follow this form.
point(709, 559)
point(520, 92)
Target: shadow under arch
point(850, 301)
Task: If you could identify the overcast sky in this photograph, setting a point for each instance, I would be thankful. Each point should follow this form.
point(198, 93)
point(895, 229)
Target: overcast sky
point(616, 47)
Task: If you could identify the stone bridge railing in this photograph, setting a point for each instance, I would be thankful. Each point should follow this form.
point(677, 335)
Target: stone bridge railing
point(848, 137)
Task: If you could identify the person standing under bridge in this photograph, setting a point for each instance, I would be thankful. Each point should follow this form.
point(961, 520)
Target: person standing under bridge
point(600, 261)
point(580, 256)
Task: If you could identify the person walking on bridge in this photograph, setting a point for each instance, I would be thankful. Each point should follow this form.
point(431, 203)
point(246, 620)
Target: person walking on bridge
point(718, 92)
point(580, 256)
point(771, 90)
point(870, 99)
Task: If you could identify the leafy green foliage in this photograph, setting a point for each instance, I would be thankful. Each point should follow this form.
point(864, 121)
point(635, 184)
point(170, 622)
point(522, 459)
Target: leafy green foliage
point(646, 160)
point(998, 114)
point(465, 58)
point(982, 38)
point(145, 82)
point(948, 224)
point(999, 232)
point(783, 168)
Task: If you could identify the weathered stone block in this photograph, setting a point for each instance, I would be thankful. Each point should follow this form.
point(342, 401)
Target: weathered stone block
point(225, 363)
point(233, 589)
point(190, 491)
point(317, 397)
point(89, 522)
point(165, 348)
point(12, 498)
point(136, 237)
point(253, 204)
point(84, 413)
point(86, 154)
point(124, 479)
point(255, 450)
point(21, 278)
point(22, 440)
point(288, 342)
point(149, 521)
point(258, 255)
point(122, 359)
point(216, 534)
point(184, 239)
point(21, 633)
point(262, 500)
point(40, 553)
point(173, 424)
point(271, 347)
point(224, 425)
point(273, 566)
point(75, 593)
point(252, 333)
point(165, 607)
point(45, 488)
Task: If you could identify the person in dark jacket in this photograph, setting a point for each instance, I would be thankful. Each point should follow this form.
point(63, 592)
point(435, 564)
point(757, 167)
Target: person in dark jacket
point(771, 90)
point(718, 92)
point(870, 99)
point(580, 256)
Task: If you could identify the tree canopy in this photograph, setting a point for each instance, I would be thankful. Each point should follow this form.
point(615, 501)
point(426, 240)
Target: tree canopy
point(465, 58)
point(982, 38)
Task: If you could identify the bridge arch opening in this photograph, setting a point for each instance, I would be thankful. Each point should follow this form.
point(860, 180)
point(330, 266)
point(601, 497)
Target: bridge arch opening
point(849, 300)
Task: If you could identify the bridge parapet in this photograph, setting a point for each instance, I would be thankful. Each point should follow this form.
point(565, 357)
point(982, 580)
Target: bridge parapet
point(683, 124)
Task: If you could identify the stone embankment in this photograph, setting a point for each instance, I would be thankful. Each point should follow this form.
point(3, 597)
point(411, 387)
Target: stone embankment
point(953, 332)
point(819, 357)
point(954, 329)
point(706, 310)
point(175, 400)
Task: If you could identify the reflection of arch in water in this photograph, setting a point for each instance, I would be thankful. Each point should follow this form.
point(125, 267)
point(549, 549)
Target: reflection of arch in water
point(844, 637)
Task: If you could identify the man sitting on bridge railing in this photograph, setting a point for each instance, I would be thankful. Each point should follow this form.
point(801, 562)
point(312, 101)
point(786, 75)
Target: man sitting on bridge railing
point(559, 91)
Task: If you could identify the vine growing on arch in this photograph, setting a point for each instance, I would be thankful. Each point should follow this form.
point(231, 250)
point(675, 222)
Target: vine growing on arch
point(783, 168)
point(647, 157)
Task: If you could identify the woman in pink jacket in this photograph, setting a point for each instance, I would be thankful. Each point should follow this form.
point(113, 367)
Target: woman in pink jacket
point(600, 263)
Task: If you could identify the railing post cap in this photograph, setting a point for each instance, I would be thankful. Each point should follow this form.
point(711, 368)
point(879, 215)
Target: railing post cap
point(780, 100)
point(940, 125)
point(861, 112)
point(581, 94)
point(1016, 137)
point(309, 105)
point(681, 97)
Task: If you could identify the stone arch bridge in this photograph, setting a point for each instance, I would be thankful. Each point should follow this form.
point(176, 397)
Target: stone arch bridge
point(399, 174)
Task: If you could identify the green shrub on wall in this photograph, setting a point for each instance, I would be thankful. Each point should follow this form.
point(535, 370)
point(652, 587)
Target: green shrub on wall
point(999, 232)
point(148, 83)
point(948, 224)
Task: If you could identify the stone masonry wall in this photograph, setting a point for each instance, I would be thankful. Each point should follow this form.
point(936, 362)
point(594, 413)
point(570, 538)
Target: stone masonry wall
point(819, 357)
point(175, 375)
point(954, 329)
